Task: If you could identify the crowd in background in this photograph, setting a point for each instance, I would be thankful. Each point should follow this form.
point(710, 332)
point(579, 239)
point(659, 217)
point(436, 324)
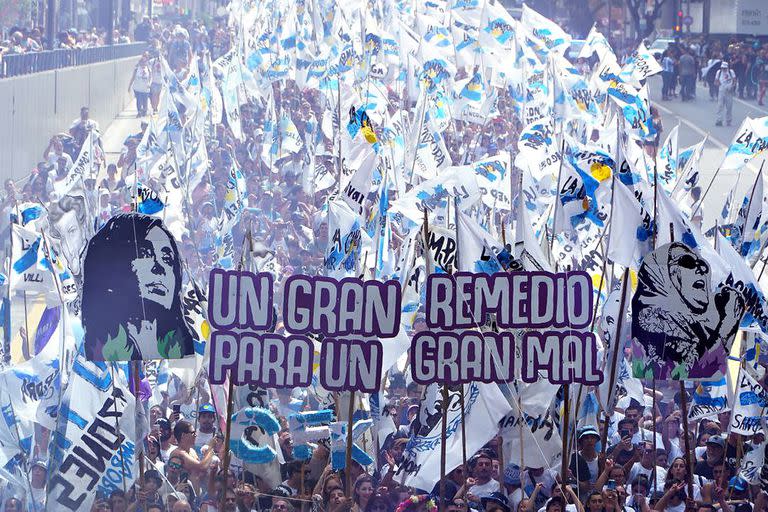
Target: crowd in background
point(695, 60)
point(636, 470)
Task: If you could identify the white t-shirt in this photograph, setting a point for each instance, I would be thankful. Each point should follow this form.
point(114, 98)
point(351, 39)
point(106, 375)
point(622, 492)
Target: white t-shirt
point(38, 496)
point(484, 490)
point(143, 78)
point(167, 453)
point(638, 437)
point(547, 480)
point(202, 439)
point(515, 498)
point(569, 507)
point(638, 469)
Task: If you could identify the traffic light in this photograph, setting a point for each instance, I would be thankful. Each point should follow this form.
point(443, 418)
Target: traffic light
point(679, 23)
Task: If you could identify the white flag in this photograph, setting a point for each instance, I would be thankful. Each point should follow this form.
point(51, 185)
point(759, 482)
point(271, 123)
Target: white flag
point(484, 407)
point(81, 169)
point(749, 405)
point(96, 443)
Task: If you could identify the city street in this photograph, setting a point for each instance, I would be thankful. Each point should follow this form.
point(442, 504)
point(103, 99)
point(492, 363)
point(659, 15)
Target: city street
point(697, 120)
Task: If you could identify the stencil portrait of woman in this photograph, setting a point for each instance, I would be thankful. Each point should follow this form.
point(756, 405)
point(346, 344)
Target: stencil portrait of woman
point(132, 292)
point(682, 325)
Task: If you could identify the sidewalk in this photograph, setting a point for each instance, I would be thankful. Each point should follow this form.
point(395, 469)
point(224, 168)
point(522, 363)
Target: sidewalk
point(125, 124)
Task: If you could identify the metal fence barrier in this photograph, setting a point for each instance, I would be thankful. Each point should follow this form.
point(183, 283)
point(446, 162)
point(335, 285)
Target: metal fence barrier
point(26, 63)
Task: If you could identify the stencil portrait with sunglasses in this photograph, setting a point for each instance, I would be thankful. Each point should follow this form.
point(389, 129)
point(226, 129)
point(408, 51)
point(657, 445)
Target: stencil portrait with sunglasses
point(683, 324)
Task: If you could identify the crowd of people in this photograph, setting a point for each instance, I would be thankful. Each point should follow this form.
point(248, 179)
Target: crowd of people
point(637, 461)
point(727, 70)
point(32, 39)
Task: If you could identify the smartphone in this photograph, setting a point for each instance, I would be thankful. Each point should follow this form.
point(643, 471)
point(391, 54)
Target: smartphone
point(611, 485)
point(176, 408)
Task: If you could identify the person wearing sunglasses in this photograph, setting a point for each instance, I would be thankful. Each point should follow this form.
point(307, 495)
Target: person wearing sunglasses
point(174, 473)
point(185, 434)
point(678, 319)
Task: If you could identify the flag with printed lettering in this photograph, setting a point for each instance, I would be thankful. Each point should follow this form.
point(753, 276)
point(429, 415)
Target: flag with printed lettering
point(34, 386)
point(710, 398)
point(749, 405)
point(750, 140)
point(595, 43)
point(667, 161)
point(97, 436)
point(484, 407)
point(35, 266)
point(344, 240)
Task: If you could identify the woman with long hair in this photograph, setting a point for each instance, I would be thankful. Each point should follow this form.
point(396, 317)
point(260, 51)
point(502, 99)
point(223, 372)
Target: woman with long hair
point(132, 293)
point(363, 490)
point(678, 473)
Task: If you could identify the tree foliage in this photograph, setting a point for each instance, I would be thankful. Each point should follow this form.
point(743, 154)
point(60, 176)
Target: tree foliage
point(638, 12)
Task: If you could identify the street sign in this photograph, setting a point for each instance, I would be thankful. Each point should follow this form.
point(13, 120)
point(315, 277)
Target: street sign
point(688, 21)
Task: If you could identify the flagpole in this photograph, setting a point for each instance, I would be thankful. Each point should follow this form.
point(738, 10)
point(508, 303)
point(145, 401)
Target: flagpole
point(749, 207)
point(461, 393)
point(64, 363)
point(557, 197)
point(565, 435)
point(348, 462)
point(227, 438)
point(338, 115)
point(444, 388)
point(615, 356)
point(443, 439)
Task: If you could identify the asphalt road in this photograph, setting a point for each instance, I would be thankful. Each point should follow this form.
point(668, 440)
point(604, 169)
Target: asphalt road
point(697, 120)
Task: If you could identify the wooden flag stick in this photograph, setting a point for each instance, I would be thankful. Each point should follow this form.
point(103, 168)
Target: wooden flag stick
point(348, 461)
point(443, 438)
point(687, 452)
point(565, 433)
point(615, 358)
point(227, 438)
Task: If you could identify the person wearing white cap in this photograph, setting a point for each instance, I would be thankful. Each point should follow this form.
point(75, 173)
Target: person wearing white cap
point(725, 79)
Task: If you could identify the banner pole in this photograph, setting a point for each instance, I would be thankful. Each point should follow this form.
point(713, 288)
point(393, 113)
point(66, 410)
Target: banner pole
point(227, 437)
point(653, 411)
point(348, 462)
point(135, 386)
point(522, 445)
point(614, 360)
point(443, 437)
point(687, 453)
point(557, 199)
point(565, 435)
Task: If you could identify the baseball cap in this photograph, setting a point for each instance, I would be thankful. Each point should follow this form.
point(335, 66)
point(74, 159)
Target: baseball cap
point(512, 474)
point(718, 440)
point(207, 408)
point(588, 430)
point(498, 498)
point(39, 463)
